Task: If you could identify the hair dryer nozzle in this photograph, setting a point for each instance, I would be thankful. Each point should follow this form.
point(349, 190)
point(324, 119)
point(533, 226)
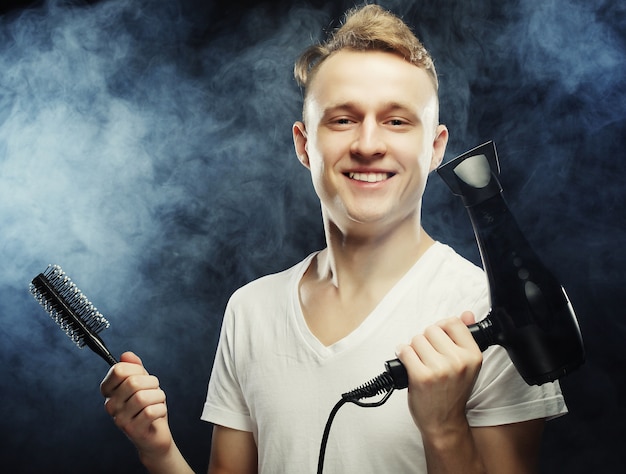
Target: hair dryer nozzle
point(474, 174)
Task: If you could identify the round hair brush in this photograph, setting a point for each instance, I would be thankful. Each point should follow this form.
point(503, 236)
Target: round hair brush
point(71, 310)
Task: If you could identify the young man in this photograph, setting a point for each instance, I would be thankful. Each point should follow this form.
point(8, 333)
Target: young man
point(291, 343)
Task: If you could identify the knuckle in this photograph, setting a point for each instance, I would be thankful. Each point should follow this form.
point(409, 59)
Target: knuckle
point(133, 382)
point(418, 340)
point(401, 349)
point(141, 398)
point(153, 412)
point(423, 337)
point(449, 322)
point(430, 330)
point(109, 406)
point(118, 370)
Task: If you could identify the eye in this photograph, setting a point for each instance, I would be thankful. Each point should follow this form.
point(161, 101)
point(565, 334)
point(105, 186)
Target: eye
point(340, 123)
point(343, 121)
point(397, 122)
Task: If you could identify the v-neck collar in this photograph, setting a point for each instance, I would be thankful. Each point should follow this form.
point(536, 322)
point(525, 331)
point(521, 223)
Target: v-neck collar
point(373, 320)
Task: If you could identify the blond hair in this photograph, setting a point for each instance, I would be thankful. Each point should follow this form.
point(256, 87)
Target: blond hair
point(368, 28)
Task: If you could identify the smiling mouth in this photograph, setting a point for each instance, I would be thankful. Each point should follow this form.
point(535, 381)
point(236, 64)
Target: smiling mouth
point(369, 177)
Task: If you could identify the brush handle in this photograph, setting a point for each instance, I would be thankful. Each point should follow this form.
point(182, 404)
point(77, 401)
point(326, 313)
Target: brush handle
point(97, 345)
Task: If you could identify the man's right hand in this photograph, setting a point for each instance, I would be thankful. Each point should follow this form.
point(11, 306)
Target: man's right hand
point(137, 404)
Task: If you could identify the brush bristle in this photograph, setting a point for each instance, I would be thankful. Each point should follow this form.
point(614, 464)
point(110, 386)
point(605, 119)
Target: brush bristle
point(64, 302)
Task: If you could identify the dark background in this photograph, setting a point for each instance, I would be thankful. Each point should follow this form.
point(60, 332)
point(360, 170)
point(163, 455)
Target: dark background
point(145, 146)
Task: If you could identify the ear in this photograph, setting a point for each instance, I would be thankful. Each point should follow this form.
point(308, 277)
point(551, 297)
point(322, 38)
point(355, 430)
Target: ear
point(299, 141)
point(439, 146)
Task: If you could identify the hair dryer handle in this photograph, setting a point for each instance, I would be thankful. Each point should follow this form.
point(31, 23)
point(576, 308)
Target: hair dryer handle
point(483, 333)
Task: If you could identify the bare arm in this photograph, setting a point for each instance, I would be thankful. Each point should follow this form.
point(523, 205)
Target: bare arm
point(504, 449)
point(510, 449)
point(232, 452)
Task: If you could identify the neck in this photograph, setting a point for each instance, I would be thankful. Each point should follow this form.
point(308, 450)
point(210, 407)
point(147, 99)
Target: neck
point(349, 278)
point(371, 259)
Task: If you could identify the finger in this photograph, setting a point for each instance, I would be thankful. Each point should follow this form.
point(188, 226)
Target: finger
point(130, 357)
point(444, 345)
point(135, 384)
point(144, 422)
point(119, 371)
point(439, 339)
point(429, 357)
point(424, 364)
point(143, 409)
point(457, 331)
point(132, 395)
point(468, 318)
point(118, 398)
point(429, 347)
point(118, 374)
point(408, 357)
point(146, 403)
point(136, 421)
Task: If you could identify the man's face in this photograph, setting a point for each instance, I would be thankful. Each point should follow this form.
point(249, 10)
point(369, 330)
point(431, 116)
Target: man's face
point(371, 137)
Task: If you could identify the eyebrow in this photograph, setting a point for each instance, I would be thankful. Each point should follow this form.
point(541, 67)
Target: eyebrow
point(350, 106)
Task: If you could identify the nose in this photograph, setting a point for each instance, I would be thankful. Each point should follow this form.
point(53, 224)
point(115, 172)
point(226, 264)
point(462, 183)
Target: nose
point(368, 142)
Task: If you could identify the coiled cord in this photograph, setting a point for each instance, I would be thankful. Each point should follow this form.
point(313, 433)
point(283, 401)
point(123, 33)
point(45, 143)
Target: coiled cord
point(377, 386)
point(395, 377)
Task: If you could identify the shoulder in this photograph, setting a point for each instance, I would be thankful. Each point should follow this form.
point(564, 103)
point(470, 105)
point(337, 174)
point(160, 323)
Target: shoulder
point(272, 287)
point(448, 260)
point(450, 272)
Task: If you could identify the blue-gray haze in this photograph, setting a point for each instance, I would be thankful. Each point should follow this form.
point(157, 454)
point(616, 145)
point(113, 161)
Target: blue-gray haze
point(145, 146)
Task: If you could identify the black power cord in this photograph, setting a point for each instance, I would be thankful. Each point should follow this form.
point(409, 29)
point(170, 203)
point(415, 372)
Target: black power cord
point(394, 377)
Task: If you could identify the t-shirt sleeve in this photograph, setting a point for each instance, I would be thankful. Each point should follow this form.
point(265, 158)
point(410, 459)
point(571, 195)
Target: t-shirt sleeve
point(501, 396)
point(225, 404)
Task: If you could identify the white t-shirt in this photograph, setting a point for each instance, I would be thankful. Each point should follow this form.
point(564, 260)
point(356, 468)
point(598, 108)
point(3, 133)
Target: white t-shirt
point(273, 377)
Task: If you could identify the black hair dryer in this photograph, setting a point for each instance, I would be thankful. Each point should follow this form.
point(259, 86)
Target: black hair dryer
point(531, 316)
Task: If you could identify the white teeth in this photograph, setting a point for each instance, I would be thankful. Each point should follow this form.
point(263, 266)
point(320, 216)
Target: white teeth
point(368, 177)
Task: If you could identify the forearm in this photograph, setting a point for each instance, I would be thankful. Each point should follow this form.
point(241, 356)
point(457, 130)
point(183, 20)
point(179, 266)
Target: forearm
point(453, 451)
point(172, 462)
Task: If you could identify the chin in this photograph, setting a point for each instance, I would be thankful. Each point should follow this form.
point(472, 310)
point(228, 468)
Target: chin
point(369, 219)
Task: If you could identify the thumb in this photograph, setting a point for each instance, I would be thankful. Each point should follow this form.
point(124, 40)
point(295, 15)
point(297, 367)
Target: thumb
point(131, 357)
point(468, 318)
